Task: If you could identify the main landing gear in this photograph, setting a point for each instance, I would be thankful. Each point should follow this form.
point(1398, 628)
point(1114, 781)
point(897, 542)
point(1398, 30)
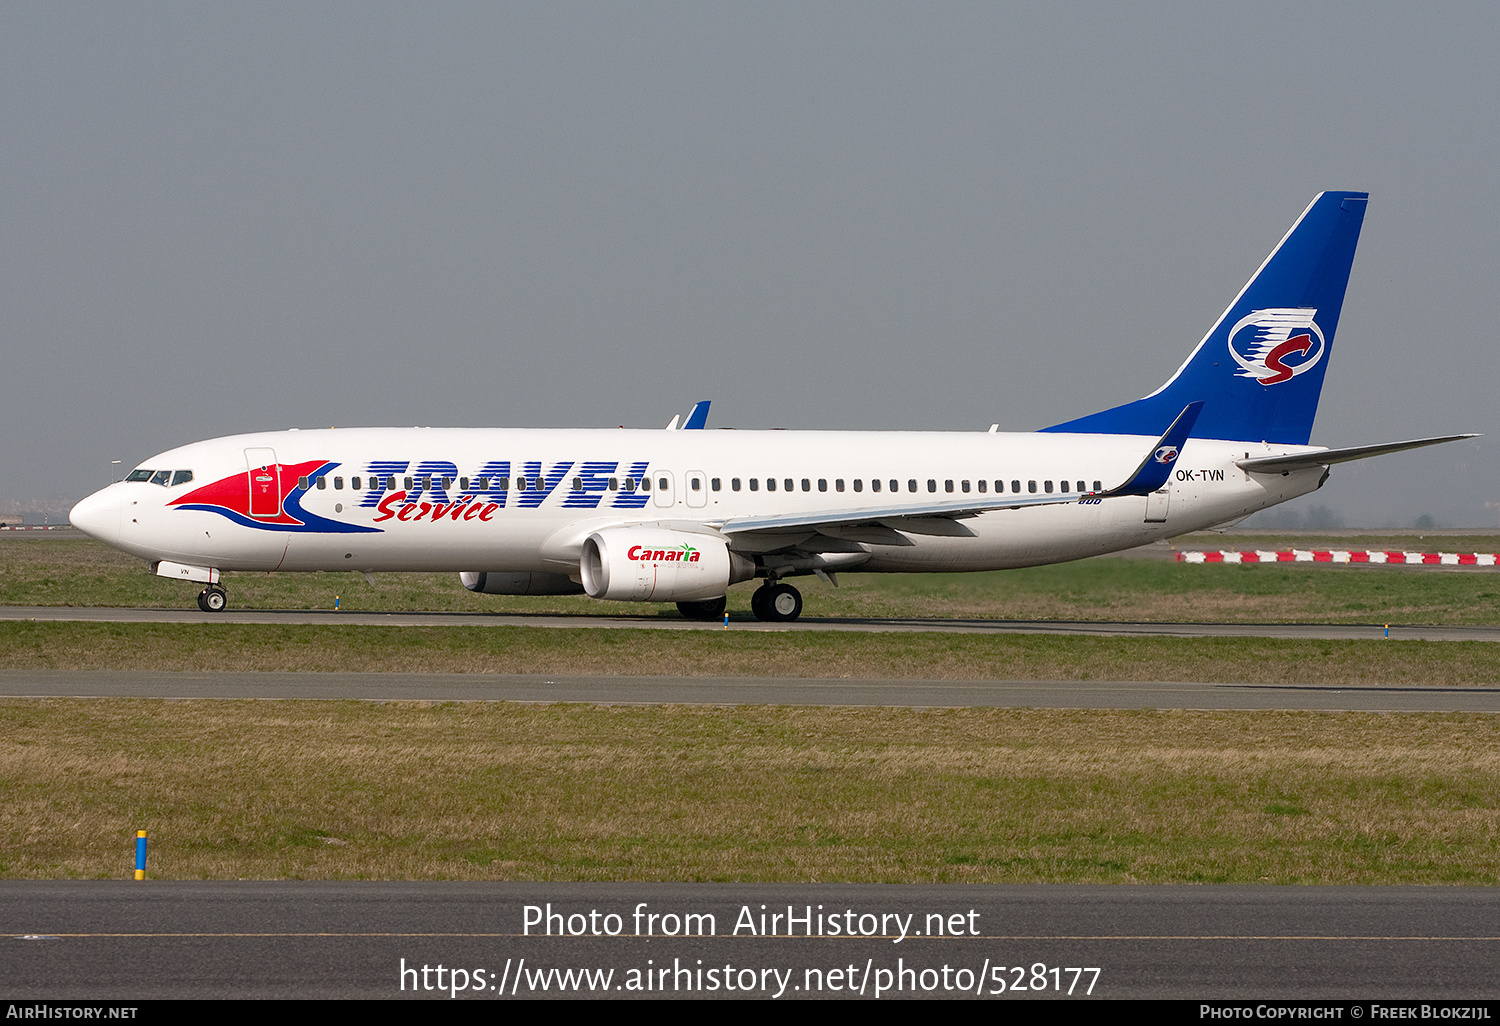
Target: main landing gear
point(776, 603)
point(212, 599)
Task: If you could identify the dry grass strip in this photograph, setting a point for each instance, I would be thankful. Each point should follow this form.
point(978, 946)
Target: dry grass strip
point(348, 790)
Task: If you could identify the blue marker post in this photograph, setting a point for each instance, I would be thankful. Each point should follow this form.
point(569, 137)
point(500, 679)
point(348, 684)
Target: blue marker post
point(335, 602)
point(1388, 630)
point(140, 854)
point(726, 619)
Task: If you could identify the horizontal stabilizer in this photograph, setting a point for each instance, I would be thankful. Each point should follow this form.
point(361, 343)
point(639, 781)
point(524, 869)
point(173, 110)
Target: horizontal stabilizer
point(1328, 457)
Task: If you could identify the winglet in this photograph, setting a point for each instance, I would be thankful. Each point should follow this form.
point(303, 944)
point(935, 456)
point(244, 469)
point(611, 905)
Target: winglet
point(1156, 468)
point(698, 418)
point(672, 426)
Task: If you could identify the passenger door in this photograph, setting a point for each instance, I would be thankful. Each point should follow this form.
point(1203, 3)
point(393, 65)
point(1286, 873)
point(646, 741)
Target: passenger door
point(1156, 505)
point(263, 476)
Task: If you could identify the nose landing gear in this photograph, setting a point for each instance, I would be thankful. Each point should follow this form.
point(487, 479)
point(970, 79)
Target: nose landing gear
point(776, 603)
point(212, 599)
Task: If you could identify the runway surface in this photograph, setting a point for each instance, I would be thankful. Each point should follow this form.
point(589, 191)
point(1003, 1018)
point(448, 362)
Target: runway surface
point(158, 939)
point(958, 626)
point(457, 687)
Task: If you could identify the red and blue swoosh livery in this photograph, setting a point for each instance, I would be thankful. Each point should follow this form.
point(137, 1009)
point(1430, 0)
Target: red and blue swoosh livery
point(230, 497)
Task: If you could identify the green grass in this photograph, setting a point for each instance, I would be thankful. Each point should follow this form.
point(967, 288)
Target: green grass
point(706, 652)
point(348, 790)
point(86, 573)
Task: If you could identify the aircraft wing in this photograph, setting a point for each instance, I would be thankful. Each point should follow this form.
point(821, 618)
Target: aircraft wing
point(1328, 457)
point(1154, 470)
point(952, 510)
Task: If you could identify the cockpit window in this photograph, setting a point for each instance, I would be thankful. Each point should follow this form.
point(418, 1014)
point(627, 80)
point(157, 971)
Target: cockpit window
point(165, 478)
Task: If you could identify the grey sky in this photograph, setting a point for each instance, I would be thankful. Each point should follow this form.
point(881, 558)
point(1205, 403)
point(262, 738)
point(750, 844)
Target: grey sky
point(236, 217)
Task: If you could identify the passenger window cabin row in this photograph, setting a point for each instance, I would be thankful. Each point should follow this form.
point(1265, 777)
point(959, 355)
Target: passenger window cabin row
point(630, 484)
point(386, 483)
point(912, 485)
point(171, 478)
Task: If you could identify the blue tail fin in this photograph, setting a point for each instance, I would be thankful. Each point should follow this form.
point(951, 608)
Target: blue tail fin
point(1259, 370)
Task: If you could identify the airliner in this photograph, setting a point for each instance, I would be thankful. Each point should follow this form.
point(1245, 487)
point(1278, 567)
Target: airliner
point(680, 515)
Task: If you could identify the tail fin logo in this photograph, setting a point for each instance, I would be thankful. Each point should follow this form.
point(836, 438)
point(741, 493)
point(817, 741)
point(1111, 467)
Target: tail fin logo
point(1166, 454)
point(1262, 342)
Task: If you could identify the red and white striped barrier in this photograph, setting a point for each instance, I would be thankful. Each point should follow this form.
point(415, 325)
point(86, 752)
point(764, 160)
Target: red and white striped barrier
point(1389, 557)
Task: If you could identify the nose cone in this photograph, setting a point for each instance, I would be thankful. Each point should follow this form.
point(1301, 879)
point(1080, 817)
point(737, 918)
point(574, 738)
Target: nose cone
point(98, 516)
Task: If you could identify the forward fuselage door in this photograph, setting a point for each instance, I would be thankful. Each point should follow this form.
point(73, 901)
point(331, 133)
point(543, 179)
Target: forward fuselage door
point(263, 474)
point(695, 488)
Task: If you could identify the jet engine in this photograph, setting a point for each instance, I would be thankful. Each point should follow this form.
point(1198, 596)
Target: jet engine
point(658, 564)
point(496, 583)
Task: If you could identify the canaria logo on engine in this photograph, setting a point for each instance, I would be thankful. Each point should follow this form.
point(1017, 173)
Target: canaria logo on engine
point(1275, 345)
point(683, 553)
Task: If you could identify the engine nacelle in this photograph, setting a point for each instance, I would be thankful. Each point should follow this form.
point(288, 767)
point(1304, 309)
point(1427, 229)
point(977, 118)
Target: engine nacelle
point(498, 583)
point(657, 564)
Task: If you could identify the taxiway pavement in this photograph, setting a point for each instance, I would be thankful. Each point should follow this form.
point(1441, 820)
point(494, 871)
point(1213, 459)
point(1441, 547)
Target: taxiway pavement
point(1113, 628)
point(175, 939)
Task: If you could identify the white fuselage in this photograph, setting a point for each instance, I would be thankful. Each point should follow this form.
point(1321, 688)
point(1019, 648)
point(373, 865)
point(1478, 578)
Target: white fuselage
point(698, 480)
